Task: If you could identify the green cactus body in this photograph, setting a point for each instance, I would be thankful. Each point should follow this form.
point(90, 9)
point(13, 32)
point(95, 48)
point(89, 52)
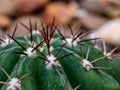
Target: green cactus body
point(5, 59)
point(52, 78)
point(115, 72)
point(89, 80)
point(26, 65)
point(54, 62)
point(113, 63)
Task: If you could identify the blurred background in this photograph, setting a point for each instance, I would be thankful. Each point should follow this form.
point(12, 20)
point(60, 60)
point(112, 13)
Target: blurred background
point(98, 16)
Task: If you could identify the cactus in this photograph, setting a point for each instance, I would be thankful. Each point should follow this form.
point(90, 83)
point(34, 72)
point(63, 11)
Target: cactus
point(48, 60)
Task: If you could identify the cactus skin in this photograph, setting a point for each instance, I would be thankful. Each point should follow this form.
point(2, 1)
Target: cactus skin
point(64, 72)
point(87, 78)
point(26, 65)
point(6, 58)
point(52, 79)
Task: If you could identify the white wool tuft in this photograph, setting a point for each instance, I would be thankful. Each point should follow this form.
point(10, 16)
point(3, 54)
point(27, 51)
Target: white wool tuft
point(86, 64)
point(70, 43)
point(52, 62)
point(7, 42)
point(14, 84)
point(30, 53)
